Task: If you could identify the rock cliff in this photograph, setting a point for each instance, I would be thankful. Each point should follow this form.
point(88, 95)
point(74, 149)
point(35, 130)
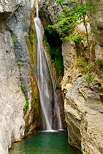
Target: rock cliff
point(83, 92)
point(15, 75)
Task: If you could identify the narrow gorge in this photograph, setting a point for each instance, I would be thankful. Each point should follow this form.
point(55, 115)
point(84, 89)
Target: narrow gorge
point(51, 76)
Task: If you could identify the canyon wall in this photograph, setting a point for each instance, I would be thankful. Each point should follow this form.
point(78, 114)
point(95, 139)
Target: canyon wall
point(15, 75)
point(83, 91)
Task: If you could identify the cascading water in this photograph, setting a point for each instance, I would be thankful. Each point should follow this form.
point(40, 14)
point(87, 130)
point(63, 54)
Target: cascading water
point(48, 97)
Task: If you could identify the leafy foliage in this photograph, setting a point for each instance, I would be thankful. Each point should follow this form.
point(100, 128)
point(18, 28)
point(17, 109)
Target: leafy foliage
point(14, 39)
point(59, 1)
point(54, 49)
point(20, 64)
point(26, 106)
point(23, 89)
point(89, 77)
point(31, 39)
point(26, 98)
point(49, 29)
point(82, 62)
point(57, 59)
point(75, 37)
point(67, 19)
point(86, 153)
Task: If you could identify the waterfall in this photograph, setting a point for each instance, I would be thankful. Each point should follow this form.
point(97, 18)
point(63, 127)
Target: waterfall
point(46, 85)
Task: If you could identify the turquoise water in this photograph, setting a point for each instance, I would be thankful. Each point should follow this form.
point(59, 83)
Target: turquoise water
point(44, 143)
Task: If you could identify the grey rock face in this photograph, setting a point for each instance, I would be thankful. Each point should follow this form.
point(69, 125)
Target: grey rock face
point(96, 19)
point(84, 113)
point(18, 25)
point(14, 69)
point(83, 104)
point(9, 5)
point(68, 57)
point(11, 98)
point(50, 9)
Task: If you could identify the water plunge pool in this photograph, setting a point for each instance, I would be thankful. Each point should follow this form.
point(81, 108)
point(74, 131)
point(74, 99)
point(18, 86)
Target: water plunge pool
point(44, 143)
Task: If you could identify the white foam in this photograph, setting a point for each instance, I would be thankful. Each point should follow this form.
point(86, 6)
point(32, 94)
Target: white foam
point(52, 131)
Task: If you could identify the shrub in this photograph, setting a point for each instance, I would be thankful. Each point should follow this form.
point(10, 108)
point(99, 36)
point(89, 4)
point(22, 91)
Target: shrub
point(89, 78)
point(23, 89)
point(26, 106)
point(19, 64)
point(31, 39)
point(14, 39)
point(81, 61)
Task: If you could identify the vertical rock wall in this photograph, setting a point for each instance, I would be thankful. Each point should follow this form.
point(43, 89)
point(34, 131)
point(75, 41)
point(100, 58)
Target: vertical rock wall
point(15, 72)
point(83, 95)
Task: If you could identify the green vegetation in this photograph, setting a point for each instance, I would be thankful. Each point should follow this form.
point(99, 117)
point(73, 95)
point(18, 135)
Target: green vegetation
point(19, 64)
point(81, 61)
point(67, 20)
point(26, 106)
point(33, 100)
point(31, 37)
point(59, 1)
point(14, 39)
point(23, 89)
point(86, 153)
point(49, 29)
point(57, 59)
point(80, 94)
point(54, 50)
point(89, 78)
point(85, 111)
point(75, 37)
point(78, 112)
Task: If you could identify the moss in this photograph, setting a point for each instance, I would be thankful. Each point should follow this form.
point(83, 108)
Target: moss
point(47, 3)
point(23, 89)
point(55, 50)
point(85, 111)
point(78, 112)
point(33, 100)
point(34, 112)
point(89, 78)
point(31, 37)
point(19, 64)
point(80, 94)
point(14, 39)
point(82, 62)
point(26, 106)
point(86, 153)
